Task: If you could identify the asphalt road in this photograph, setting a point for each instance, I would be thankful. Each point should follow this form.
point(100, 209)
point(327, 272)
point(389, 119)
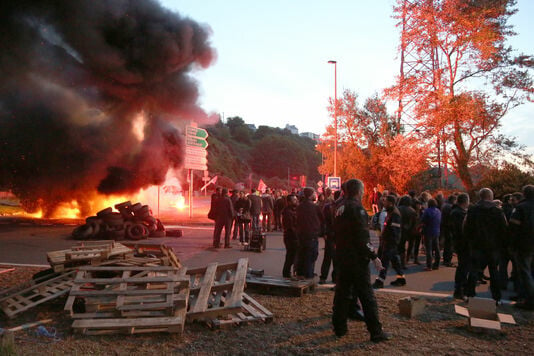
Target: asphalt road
point(28, 243)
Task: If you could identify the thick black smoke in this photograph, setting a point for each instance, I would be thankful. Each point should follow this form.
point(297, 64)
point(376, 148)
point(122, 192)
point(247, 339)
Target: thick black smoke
point(74, 75)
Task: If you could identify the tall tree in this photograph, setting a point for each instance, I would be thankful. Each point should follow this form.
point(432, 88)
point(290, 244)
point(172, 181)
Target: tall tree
point(369, 146)
point(473, 81)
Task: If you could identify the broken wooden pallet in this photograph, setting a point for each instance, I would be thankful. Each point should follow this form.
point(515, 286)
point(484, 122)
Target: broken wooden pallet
point(280, 286)
point(129, 326)
point(159, 250)
point(115, 291)
point(93, 252)
point(39, 293)
point(216, 290)
point(252, 311)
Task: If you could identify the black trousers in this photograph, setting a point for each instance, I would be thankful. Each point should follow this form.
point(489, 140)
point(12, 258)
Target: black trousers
point(354, 280)
point(480, 259)
point(292, 246)
point(219, 224)
point(329, 258)
point(447, 245)
point(462, 271)
point(390, 254)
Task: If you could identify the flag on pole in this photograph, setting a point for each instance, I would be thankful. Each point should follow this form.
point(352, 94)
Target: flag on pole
point(262, 186)
point(212, 180)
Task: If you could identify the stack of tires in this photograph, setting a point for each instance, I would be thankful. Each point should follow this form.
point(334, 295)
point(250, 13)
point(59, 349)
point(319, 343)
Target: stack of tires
point(131, 221)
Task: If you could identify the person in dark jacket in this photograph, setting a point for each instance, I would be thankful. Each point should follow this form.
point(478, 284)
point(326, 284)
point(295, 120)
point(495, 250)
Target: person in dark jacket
point(309, 226)
point(408, 226)
point(354, 251)
point(390, 242)
point(224, 217)
point(522, 230)
point(460, 245)
point(255, 208)
point(291, 242)
point(214, 197)
point(485, 227)
point(329, 240)
point(234, 197)
point(279, 204)
point(243, 217)
point(267, 210)
point(445, 230)
point(431, 221)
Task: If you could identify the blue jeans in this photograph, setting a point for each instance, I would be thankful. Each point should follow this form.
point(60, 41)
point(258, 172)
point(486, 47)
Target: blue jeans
point(432, 245)
point(307, 255)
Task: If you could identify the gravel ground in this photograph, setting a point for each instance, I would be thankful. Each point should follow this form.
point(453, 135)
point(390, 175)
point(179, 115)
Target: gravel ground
point(301, 326)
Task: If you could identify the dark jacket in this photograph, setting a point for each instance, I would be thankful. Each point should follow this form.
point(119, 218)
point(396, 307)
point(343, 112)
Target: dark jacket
point(309, 219)
point(242, 208)
point(329, 211)
point(457, 217)
point(446, 210)
point(408, 219)
point(522, 225)
point(391, 233)
point(255, 204)
point(267, 203)
point(485, 226)
point(353, 244)
point(431, 220)
point(279, 204)
point(225, 209)
point(289, 222)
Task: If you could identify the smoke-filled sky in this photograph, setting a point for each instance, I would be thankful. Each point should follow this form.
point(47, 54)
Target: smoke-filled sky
point(272, 57)
point(75, 78)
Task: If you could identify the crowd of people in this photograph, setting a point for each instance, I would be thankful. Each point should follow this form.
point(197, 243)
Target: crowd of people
point(490, 234)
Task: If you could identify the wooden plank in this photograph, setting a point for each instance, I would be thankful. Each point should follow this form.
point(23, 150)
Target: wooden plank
point(248, 300)
point(127, 322)
point(239, 282)
point(201, 302)
point(120, 268)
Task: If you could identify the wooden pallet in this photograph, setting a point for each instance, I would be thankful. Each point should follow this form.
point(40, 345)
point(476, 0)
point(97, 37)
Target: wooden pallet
point(129, 326)
point(161, 250)
point(280, 286)
point(39, 293)
point(114, 292)
point(93, 252)
point(252, 311)
point(216, 290)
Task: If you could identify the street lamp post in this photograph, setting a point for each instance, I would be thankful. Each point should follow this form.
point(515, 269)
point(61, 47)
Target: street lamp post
point(335, 116)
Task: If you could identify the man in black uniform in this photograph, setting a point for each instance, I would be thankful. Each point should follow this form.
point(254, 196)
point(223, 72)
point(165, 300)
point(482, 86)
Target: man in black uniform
point(461, 246)
point(390, 242)
point(291, 242)
point(309, 225)
point(354, 251)
point(522, 229)
point(485, 227)
point(224, 218)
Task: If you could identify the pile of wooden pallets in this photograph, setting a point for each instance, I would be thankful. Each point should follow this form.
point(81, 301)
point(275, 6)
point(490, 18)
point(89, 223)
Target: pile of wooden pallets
point(130, 300)
point(138, 288)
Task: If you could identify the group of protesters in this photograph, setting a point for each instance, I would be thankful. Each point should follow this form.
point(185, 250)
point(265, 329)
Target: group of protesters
point(492, 234)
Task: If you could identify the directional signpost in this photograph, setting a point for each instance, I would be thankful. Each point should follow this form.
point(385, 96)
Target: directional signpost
point(196, 156)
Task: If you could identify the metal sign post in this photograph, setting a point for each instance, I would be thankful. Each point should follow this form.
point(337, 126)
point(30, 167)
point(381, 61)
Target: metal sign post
point(196, 155)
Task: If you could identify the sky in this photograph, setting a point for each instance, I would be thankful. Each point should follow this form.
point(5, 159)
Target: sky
point(272, 66)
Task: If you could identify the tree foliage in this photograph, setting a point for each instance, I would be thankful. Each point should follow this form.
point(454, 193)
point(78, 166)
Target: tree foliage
point(369, 147)
point(236, 151)
point(506, 179)
point(473, 79)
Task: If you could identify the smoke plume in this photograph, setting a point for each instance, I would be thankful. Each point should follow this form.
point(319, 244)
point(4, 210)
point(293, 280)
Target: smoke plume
point(74, 77)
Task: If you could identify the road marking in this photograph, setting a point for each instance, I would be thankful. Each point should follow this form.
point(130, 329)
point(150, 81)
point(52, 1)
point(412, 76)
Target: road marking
point(188, 227)
point(23, 265)
point(426, 294)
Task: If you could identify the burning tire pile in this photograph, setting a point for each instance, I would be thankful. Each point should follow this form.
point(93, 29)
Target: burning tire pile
point(130, 221)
